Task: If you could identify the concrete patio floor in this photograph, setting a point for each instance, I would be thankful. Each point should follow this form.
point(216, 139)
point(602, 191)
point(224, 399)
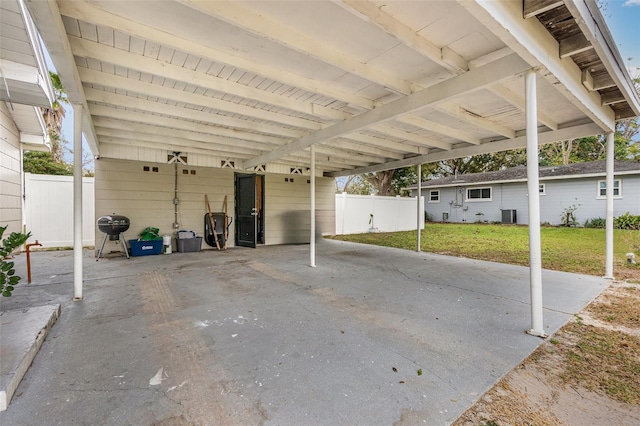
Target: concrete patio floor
point(258, 337)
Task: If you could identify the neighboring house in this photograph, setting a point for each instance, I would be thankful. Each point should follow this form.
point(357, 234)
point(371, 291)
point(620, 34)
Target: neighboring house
point(24, 88)
point(502, 196)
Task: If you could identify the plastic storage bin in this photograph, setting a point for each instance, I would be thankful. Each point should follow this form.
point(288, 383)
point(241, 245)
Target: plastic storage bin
point(186, 245)
point(145, 248)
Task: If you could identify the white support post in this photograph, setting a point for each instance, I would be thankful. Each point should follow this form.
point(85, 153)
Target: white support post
point(312, 248)
point(419, 171)
point(77, 202)
point(609, 214)
point(533, 187)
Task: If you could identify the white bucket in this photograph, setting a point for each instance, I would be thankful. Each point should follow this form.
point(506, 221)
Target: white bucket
point(166, 244)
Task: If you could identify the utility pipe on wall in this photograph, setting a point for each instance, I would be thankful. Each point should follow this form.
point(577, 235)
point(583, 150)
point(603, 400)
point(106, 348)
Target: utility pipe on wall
point(77, 202)
point(312, 244)
point(609, 213)
point(533, 187)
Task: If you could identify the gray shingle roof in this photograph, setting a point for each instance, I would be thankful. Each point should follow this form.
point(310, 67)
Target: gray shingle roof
point(520, 173)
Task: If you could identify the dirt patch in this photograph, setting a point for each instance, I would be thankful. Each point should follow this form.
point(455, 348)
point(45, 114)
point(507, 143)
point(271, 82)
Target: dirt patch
point(587, 373)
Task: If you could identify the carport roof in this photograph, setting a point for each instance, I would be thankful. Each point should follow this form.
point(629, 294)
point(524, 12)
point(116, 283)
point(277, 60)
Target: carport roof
point(374, 85)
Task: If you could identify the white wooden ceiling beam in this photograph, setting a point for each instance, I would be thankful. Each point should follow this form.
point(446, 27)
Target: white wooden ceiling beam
point(175, 123)
point(400, 147)
point(46, 16)
point(374, 14)
point(249, 21)
point(108, 127)
point(578, 131)
point(343, 143)
point(441, 129)
point(170, 133)
point(414, 138)
point(84, 11)
point(169, 145)
point(115, 99)
point(473, 80)
point(533, 8)
point(143, 64)
point(459, 112)
point(231, 150)
point(593, 84)
point(531, 41)
point(519, 102)
point(155, 90)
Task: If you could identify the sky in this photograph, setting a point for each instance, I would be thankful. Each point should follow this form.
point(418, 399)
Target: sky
point(623, 20)
point(622, 17)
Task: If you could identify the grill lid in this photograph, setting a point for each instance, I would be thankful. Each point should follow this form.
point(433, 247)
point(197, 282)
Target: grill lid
point(113, 224)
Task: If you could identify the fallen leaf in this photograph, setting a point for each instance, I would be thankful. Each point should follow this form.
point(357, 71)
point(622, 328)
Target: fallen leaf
point(419, 371)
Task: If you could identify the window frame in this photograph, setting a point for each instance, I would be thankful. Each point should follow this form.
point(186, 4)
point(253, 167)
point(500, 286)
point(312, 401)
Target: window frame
point(431, 192)
point(481, 199)
point(542, 188)
point(601, 196)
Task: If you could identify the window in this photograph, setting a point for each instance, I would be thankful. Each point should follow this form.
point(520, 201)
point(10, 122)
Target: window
point(479, 194)
point(434, 196)
point(617, 188)
point(542, 189)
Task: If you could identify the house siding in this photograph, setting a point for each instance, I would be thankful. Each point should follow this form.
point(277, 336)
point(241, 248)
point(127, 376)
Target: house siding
point(10, 173)
point(559, 195)
point(146, 198)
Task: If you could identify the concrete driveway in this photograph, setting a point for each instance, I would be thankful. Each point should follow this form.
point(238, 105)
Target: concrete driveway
point(255, 336)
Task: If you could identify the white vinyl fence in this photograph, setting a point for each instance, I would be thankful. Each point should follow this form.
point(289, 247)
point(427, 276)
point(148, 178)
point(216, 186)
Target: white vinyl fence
point(48, 210)
point(369, 213)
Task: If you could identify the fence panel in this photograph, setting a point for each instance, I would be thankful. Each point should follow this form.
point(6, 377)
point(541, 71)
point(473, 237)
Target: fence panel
point(368, 213)
point(48, 210)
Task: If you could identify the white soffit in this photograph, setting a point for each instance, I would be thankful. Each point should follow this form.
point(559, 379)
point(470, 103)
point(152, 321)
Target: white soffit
point(371, 83)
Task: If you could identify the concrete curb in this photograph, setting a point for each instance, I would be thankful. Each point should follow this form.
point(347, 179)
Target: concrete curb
point(22, 334)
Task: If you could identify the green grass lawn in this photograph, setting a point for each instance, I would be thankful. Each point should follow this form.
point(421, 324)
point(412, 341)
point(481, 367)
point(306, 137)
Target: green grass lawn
point(579, 250)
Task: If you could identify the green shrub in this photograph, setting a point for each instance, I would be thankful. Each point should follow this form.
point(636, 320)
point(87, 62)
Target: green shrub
point(598, 222)
point(8, 277)
point(627, 221)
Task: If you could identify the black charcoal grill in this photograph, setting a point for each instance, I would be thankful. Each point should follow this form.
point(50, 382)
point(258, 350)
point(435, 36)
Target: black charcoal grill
point(114, 227)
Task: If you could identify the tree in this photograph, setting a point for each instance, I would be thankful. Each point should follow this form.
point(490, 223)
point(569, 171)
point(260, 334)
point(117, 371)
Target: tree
point(51, 163)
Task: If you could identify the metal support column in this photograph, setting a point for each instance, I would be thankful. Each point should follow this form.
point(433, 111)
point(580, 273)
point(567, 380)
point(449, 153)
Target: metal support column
point(312, 247)
point(419, 195)
point(77, 202)
point(533, 187)
point(609, 213)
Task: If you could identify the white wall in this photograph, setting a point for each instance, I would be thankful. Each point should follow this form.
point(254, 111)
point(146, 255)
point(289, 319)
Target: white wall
point(390, 214)
point(288, 208)
point(48, 210)
point(10, 173)
point(146, 198)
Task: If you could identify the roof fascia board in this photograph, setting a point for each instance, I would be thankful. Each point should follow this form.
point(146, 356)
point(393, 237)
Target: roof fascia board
point(577, 131)
point(534, 44)
point(473, 80)
point(592, 23)
point(34, 41)
point(46, 16)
